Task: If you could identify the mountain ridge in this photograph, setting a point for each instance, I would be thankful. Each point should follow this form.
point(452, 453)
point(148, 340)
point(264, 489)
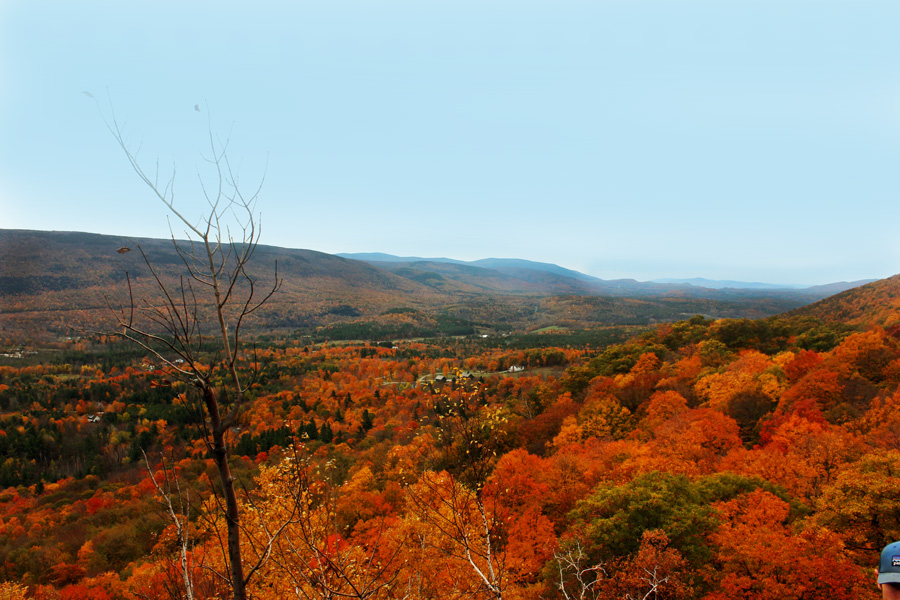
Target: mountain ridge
point(54, 282)
point(876, 303)
point(514, 264)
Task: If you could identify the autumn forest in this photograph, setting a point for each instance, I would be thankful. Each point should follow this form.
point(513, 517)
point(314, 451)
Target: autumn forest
point(702, 458)
point(551, 301)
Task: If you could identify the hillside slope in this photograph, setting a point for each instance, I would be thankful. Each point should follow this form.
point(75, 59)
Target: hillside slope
point(527, 276)
point(54, 280)
point(55, 283)
point(876, 303)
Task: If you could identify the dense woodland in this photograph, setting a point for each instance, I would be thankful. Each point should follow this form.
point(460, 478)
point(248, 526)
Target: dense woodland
point(704, 459)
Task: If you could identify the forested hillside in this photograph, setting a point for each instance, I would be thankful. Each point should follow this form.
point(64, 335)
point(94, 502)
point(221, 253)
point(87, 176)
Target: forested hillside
point(58, 284)
point(876, 303)
point(702, 459)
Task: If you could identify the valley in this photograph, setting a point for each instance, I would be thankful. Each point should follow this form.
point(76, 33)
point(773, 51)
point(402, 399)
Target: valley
point(468, 434)
point(55, 284)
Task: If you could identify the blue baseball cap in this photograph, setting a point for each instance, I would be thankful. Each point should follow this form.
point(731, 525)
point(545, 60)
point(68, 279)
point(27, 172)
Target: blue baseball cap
point(889, 567)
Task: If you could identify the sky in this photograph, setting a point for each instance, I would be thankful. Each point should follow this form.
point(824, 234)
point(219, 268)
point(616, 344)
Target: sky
point(752, 140)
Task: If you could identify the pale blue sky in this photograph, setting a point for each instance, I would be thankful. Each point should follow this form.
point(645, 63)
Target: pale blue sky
point(732, 139)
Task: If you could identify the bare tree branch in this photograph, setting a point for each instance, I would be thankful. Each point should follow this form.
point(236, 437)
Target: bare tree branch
point(179, 517)
point(168, 325)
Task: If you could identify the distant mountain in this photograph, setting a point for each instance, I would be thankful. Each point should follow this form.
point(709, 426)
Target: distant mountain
point(382, 257)
point(498, 264)
point(570, 281)
point(517, 265)
point(829, 289)
point(717, 284)
point(513, 276)
point(875, 303)
point(51, 282)
point(513, 266)
point(57, 280)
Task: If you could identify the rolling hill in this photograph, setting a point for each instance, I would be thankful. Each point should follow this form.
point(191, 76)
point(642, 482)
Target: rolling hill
point(54, 283)
point(530, 276)
point(876, 303)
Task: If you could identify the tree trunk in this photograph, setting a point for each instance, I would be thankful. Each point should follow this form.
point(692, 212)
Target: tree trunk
point(232, 519)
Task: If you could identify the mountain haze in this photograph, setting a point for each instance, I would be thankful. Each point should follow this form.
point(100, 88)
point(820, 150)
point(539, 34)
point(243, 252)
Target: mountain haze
point(571, 281)
point(52, 282)
point(718, 284)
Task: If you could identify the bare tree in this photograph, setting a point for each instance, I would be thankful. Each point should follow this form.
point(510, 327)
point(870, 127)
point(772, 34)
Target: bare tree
point(313, 555)
point(173, 323)
point(578, 580)
point(653, 581)
point(652, 571)
point(177, 508)
point(467, 521)
point(467, 528)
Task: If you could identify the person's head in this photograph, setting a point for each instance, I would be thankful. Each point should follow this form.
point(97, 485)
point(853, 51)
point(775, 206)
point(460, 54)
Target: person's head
point(889, 572)
point(890, 591)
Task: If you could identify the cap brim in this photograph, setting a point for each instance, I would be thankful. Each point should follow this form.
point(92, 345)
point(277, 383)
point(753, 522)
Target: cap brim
point(888, 578)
